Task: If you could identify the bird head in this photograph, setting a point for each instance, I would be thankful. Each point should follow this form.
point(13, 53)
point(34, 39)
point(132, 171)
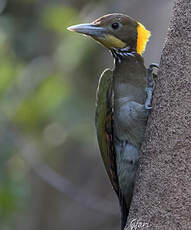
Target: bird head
point(116, 31)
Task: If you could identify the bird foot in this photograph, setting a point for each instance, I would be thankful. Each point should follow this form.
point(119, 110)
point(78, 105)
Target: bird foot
point(150, 85)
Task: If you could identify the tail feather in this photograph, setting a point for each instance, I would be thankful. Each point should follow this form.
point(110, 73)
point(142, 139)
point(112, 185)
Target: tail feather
point(124, 211)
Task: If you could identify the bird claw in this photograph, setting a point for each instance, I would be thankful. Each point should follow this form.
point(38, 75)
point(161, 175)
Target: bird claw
point(150, 85)
point(148, 107)
point(153, 65)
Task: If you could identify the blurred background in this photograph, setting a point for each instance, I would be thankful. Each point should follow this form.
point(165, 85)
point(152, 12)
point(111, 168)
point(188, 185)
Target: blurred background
point(51, 173)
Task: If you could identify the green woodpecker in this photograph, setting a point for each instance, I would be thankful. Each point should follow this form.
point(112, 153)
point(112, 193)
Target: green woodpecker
point(123, 99)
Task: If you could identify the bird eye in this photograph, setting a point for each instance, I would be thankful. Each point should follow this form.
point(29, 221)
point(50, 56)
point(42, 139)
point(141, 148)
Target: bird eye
point(115, 25)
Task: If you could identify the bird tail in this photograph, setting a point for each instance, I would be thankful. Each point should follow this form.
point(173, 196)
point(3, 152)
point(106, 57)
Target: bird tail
point(124, 211)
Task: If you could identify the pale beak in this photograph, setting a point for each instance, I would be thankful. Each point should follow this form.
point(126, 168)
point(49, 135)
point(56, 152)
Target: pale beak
point(88, 29)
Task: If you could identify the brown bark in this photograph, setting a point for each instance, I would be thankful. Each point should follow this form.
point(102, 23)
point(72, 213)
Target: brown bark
point(162, 197)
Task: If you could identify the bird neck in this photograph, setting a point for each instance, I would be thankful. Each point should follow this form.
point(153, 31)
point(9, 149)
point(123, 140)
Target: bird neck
point(122, 53)
point(129, 79)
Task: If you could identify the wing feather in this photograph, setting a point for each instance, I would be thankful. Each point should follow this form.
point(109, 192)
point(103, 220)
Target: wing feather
point(104, 126)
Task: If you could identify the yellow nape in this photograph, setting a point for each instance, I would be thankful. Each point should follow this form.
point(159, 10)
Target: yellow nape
point(142, 38)
point(110, 41)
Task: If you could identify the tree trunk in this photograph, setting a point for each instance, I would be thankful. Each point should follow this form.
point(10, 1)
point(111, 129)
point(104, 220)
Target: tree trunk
point(162, 196)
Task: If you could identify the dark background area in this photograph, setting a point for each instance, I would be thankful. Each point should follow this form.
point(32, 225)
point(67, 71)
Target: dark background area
point(51, 173)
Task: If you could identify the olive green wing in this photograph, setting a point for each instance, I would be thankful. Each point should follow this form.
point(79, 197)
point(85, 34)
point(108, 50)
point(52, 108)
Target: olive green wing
point(104, 125)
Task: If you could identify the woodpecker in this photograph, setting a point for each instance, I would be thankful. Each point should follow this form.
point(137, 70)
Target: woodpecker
point(123, 100)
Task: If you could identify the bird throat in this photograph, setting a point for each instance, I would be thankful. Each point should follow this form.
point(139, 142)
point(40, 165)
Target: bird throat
point(122, 53)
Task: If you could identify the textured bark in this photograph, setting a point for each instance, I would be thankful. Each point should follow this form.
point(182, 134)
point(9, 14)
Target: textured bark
point(162, 197)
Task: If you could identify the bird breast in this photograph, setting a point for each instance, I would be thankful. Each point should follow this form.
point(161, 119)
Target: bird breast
point(129, 120)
